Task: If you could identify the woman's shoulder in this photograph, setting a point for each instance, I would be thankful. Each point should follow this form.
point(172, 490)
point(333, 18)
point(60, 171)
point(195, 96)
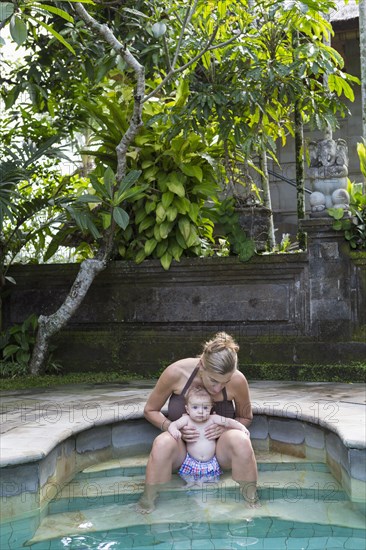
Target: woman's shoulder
point(238, 380)
point(179, 370)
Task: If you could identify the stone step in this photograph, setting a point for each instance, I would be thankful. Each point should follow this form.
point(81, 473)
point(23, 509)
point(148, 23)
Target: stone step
point(126, 467)
point(195, 508)
point(289, 485)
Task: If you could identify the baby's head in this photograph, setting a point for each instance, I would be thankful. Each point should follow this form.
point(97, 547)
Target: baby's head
point(198, 403)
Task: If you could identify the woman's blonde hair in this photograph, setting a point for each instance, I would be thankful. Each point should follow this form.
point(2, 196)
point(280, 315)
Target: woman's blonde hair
point(220, 355)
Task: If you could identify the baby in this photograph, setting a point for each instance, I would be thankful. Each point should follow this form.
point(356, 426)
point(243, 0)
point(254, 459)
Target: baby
point(201, 465)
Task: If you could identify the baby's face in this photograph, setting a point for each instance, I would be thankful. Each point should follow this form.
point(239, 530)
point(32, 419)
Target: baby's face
point(198, 410)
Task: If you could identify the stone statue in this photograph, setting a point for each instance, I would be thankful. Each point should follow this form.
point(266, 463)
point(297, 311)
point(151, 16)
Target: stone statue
point(328, 173)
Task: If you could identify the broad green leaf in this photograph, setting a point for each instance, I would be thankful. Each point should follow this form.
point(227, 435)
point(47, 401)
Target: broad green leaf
point(181, 242)
point(140, 256)
point(150, 246)
point(193, 212)
point(175, 250)
point(6, 10)
point(171, 213)
point(129, 180)
point(193, 238)
point(192, 171)
point(18, 30)
point(336, 213)
point(121, 217)
point(161, 248)
point(146, 223)
point(109, 181)
point(57, 11)
point(88, 198)
point(166, 260)
point(167, 199)
point(106, 220)
point(182, 92)
point(158, 29)
point(160, 213)
point(134, 12)
point(157, 233)
point(10, 350)
point(57, 35)
point(176, 187)
point(182, 204)
point(185, 228)
point(361, 151)
point(165, 228)
point(337, 226)
point(140, 215)
point(150, 206)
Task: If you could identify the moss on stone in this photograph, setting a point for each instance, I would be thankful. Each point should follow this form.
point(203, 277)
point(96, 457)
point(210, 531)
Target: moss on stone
point(348, 373)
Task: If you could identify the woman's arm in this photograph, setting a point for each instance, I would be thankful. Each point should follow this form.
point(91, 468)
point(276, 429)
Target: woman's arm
point(170, 381)
point(241, 397)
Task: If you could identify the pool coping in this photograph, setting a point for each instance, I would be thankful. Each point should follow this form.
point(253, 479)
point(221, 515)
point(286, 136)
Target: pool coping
point(26, 417)
point(55, 432)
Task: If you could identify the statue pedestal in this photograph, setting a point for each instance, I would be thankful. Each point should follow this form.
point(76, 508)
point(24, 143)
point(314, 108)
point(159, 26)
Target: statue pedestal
point(330, 281)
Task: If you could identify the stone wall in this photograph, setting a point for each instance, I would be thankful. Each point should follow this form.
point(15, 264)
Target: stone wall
point(286, 308)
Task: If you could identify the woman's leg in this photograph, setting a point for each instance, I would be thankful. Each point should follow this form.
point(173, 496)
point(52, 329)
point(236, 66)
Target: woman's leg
point(166, 455)
point(234, 451)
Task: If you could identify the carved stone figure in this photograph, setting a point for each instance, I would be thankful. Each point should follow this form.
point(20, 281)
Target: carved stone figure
point(328, 173)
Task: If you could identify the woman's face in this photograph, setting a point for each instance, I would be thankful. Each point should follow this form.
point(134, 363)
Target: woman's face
point(214, 382)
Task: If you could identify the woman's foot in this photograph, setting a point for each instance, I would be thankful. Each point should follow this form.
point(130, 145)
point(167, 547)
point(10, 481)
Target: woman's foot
point(146, 504)
point(250, 495)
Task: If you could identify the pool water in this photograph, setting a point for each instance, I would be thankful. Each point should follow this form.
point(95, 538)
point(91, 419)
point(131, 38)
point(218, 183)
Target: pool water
point(303, 507)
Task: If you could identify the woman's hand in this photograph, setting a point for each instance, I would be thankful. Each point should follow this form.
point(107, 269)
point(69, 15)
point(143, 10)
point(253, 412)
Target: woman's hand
point(189, 434)
point(214, 431)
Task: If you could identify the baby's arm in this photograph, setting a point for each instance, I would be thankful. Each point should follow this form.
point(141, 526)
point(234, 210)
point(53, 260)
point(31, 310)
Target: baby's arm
point(177, 425)
point(228, 423)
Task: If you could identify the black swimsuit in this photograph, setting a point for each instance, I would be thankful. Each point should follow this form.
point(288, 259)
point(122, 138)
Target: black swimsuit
point(176, 405)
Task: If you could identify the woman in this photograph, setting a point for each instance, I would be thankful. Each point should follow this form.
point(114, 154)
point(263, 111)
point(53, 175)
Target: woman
point(215, 370)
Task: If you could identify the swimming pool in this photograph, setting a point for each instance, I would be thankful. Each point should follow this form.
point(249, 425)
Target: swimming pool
point(304, 507)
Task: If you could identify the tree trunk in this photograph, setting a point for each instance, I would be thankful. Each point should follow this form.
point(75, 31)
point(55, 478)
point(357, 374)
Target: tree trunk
point(267, 198)
point(48, 326)
point(299, 159)
point(300, 177)
point(89, 269)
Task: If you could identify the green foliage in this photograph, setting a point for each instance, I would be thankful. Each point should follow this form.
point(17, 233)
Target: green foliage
point(16, 347)
point(353, 225)
point(167, 211)
point(33, 197)
point(235, 100)
point(227, 219)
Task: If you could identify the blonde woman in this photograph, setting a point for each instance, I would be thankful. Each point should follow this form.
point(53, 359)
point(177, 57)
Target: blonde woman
point(216, 370)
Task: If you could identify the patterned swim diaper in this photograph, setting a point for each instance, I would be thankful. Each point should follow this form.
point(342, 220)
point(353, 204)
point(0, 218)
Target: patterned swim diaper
point(200, 471)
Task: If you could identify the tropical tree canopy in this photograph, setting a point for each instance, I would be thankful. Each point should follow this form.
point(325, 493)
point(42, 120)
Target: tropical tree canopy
point(163, 98)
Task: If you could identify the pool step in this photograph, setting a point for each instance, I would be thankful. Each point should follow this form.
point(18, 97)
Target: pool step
point(121, 481)
point(194, 508)
point(103, 497)
point(287, 484)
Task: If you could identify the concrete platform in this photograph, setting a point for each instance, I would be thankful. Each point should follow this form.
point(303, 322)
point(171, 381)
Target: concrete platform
point(49, 435)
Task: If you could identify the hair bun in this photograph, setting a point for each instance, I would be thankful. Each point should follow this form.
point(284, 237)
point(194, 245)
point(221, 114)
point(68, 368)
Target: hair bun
point(220, 342)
